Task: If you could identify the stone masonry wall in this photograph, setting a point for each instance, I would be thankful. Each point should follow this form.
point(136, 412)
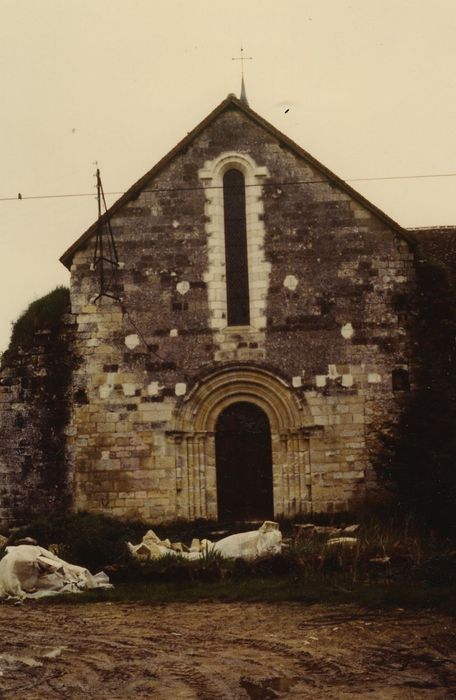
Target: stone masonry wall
point(332, 321)
point(35, 398)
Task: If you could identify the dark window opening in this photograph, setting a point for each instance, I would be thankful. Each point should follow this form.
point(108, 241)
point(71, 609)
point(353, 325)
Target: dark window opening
point(237, 274)
point(401, 381)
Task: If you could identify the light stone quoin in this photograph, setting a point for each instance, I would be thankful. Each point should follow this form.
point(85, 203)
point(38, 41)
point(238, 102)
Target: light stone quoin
point(347, 331)
point(154, 388)
point(183, 287)
point(290, 282)
point(374, 378)
point(132, 341)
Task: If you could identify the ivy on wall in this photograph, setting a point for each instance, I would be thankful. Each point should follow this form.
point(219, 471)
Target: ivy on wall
point(419, 460)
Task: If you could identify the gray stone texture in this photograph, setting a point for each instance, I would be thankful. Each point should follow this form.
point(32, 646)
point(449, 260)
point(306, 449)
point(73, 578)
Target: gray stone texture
point(35, 407)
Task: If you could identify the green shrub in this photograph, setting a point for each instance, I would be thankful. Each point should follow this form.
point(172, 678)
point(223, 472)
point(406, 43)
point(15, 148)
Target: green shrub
point(44, 313)
point(86, 539)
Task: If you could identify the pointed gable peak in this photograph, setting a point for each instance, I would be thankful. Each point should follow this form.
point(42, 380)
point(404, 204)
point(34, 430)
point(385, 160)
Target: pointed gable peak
point(243, 97)
point(242, 105)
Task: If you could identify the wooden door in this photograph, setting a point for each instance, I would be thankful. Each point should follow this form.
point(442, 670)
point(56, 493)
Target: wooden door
point(244, 463)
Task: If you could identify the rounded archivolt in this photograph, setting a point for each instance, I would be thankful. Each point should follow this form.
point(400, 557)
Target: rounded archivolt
point(219, 390)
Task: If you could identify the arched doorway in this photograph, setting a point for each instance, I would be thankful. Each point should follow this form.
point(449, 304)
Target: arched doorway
point(194, 435)
point(243, 463)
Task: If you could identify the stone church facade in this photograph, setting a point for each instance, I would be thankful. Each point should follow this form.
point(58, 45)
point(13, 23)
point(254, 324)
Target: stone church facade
point(261, 342)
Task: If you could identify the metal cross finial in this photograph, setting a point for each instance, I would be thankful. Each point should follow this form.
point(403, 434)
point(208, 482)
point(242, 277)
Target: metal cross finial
point(242, 58)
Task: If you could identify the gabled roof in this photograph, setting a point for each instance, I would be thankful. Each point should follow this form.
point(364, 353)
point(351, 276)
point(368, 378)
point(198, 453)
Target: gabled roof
point(230, 102)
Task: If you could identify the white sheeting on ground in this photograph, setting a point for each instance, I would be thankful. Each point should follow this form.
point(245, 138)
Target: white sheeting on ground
point(266, 541)
point(28, 571)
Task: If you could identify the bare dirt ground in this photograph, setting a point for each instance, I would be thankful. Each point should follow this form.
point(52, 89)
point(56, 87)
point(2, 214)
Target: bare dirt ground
point(216, 651)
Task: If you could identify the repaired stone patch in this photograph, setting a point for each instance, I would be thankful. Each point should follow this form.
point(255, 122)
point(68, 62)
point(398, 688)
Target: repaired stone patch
point(132, 341)
point(332, 372)
point(290, 282)
point(347, 331)
point(347, 380)
point(154, 388)
point(183, 287)
point(105, 390)
point(374, 378)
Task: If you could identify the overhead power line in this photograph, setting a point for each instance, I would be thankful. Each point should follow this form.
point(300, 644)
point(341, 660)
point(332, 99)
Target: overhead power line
point(21, 197)
point(399, 177)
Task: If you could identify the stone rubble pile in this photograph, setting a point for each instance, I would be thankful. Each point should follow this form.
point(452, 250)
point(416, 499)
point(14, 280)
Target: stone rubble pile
point(337, 536)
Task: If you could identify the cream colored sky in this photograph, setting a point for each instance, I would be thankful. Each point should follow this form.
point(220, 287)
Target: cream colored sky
point(370, 86)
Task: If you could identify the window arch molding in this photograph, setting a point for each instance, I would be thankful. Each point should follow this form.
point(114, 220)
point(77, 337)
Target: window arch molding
point(215, 170)
point(212, 175)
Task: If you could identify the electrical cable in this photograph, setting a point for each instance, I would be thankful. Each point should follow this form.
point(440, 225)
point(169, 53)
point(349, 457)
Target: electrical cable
point(21, 197)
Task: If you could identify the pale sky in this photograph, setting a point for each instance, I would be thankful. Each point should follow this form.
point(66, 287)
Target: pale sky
point(370, 86)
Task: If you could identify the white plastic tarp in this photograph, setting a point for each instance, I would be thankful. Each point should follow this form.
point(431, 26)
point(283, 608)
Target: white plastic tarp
point(33, 572)
point(266, 541)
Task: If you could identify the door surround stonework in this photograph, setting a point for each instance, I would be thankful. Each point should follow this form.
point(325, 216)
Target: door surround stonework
point(193, 437)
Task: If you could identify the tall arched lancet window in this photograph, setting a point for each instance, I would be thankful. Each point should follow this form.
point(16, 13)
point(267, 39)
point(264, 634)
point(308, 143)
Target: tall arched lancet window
point(237, 271)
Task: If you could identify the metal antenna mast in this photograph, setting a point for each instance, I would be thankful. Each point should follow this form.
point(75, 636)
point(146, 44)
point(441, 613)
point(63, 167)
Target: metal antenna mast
point(105, 258)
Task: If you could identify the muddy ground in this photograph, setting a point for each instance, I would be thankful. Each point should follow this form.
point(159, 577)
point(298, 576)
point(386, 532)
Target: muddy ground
point(216, 651)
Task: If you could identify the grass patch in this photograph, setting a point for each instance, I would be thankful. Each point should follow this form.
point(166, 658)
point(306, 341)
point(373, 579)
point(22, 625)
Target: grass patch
point(273, 589)
point(393, 562)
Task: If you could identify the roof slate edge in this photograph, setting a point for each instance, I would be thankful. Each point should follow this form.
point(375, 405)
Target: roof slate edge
point(135, 189)
point(445, 228)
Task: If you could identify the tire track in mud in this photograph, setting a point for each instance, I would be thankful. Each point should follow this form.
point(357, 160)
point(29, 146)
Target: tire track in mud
point(310, 664)
point(211, 651)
